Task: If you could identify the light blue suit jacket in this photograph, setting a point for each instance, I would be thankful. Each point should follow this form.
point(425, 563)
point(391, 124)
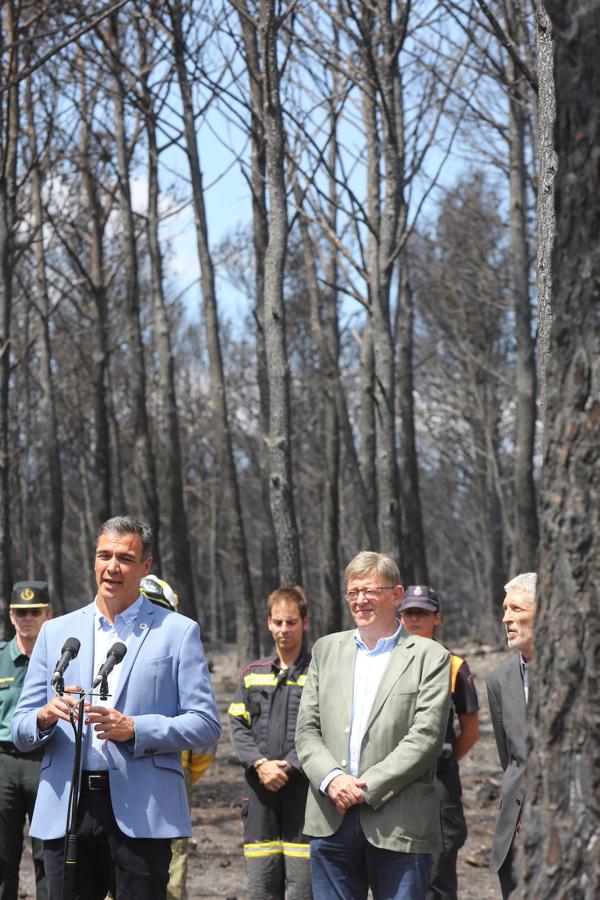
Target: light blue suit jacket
point(163, 684)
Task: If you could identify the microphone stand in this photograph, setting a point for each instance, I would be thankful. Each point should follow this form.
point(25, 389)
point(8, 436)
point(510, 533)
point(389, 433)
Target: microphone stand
point(71, 831)
point(73, 808)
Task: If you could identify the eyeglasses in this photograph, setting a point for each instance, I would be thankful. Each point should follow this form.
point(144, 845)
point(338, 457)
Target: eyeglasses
point(369, 593)
point(21, 613)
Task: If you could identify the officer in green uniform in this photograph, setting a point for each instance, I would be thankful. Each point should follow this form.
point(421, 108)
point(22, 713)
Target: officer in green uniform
point(19, 772)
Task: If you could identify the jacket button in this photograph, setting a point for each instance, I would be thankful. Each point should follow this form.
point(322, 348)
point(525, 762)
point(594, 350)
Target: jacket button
point(347, 729)
point(344, 762)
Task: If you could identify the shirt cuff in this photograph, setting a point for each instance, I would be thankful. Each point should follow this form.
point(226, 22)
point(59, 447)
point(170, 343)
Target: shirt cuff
point(328, 779)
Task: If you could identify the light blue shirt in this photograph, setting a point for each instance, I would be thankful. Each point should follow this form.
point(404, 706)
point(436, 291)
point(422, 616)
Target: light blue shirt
point(369, 668)
point(105, 635)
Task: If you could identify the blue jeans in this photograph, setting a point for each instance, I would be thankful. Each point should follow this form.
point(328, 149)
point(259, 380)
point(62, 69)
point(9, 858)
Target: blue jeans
point(345, 865)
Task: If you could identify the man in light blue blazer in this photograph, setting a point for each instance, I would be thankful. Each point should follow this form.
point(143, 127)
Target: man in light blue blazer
point(132, 798)
point(370, 728)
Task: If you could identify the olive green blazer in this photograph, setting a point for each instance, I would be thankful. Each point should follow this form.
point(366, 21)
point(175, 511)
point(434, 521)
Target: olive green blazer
point(404, 736)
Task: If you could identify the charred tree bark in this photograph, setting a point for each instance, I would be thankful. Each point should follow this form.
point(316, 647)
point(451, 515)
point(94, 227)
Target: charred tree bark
point(546, 224)
point(53, 507)
point(247, 625)
point(325, 331)
point(563, 804)
point(143, 457)
point(9, 132)
point(180, 570)
point(414, 569)
point(260, 237)
point(97, 277)
point(525, 547)
point(278, 438)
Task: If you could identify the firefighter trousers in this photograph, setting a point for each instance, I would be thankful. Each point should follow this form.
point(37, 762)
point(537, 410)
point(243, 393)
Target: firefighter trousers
point(443, 883)
point(276, 851)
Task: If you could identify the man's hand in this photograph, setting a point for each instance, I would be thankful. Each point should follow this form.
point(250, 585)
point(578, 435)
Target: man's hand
point(110, 724)
point(272, 774)
point(346, 791)
point(59, 707)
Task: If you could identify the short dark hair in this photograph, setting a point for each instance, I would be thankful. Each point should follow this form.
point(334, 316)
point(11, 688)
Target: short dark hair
point(293, 594)
point(129, 525)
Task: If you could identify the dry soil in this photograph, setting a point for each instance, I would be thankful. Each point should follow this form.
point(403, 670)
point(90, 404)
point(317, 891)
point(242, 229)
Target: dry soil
point(216, 864)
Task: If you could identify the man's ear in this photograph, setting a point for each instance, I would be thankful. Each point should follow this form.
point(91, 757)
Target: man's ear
point(398, 594)
point(305, 623)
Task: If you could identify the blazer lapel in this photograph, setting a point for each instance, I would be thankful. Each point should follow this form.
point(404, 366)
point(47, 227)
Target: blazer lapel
point(346, 656)
point(516, 689)
point(86, 651)
point(141, 629)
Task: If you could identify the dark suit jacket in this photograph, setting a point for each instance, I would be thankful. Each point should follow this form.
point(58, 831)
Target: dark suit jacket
point(506, 697)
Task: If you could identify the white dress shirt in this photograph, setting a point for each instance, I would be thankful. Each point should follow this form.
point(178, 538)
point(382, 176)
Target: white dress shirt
point(105, 635)
point(525, 676)
point(369, 668)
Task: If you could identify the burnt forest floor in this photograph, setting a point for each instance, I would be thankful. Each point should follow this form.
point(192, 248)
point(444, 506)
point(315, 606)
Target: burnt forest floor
point(216, 867)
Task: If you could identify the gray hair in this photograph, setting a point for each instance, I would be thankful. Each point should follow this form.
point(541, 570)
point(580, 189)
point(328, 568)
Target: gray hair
point(369, 563)
point(129, 525)
point(526, 582)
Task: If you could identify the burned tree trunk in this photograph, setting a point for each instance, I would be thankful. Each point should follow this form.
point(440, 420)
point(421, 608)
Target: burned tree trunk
point(9, 129)
point(143, 456)
point(53, 512)
point(561, 833)
point(525, 548)
point(279, 436)
point(247, 625)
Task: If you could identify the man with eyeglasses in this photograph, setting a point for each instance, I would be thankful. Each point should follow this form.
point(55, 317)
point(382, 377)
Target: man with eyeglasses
point(371, 726)
point(19, 772)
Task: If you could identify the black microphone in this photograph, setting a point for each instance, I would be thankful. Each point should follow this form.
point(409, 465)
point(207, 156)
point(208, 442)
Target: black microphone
point(113, 657)
point(69, 651)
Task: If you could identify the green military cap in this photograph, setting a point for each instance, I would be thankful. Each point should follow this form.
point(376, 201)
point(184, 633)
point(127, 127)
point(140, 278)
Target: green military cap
point(29, 594)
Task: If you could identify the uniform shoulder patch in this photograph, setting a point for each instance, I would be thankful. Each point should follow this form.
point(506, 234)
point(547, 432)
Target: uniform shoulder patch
point(257, 664)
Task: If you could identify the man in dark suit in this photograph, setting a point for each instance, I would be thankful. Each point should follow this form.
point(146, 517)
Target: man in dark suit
point(508, 689)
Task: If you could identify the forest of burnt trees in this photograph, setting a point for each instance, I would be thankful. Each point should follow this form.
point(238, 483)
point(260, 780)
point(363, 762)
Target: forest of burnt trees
point(355, 365)
point(393, 343)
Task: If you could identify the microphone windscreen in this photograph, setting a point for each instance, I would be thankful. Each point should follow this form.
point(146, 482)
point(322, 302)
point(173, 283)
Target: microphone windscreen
point(71, 645)
point(118, 650)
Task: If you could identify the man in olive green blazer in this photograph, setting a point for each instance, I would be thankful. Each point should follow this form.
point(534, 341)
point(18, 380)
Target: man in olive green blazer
point(371, 726)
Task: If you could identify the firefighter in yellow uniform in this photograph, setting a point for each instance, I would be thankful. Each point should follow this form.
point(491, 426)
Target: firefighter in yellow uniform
point(195, 762)
point(263, 724)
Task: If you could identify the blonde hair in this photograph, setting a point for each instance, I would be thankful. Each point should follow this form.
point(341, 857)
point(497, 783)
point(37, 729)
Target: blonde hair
point(367, 562)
